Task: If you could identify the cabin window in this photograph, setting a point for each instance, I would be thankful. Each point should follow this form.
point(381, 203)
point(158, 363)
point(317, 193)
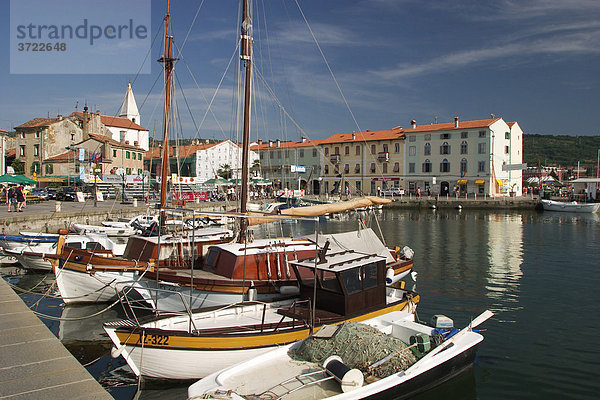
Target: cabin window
point(351, 279)
point(305, 275)
point(211, 259)
point(370, 276)
point(94, 246)
point(74, 245)
point(329, 281)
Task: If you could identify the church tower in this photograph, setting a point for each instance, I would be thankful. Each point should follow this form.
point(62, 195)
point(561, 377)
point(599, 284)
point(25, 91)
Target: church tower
point(129, 109)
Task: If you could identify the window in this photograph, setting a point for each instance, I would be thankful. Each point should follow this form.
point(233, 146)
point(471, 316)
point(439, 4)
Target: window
point(279, 154)
point(357, 150)
point(49, 169)
point(428, 136)
point(22, 151)
point(411, 168)
point(346, 168)
point(262, 156)
point(139, 171)
point(336, 150)
point(37, 134)
point(347, 150)
point(373, 149)
point(481, 166)
point(326, 151)
point(287, 154)
point(481, 148)
point(506, 149)
point(464, 147)
point(326, 169)
point(445, 148)
point(445, 166)
point(464, 135)
point(301, 153)
point(397, 167)
point(114, 153)
point(357, 168)
point(351, 279)
point(481, 133)
point(427, 151)
point(463, 166)
point(72, 136)
point(412, 138)
point(385, 148)
point(128, 171)
point(127, 155)
point(396, 147)
point(385, 168)
point(427, 166)
point(36, 150)
point(372, 167)
point(314, 152)
point(369, 276)
point(139, 156)
point(412, 151)
point(444, 136)
point(506, 135)
point(271, 155)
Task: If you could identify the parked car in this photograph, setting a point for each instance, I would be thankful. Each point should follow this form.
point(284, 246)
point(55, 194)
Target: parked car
point(51, 193)
point(66, 193)
point(392, 192)
point(42, 193)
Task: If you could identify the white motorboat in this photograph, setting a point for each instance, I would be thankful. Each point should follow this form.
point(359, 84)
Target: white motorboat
point(121, 231)
point(31, 256)
point(572, 206)
point(327, 365)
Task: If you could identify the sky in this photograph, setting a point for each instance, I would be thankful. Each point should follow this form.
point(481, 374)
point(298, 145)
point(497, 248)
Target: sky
point(325, 67)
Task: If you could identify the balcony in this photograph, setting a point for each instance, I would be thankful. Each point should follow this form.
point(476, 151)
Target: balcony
point(334, 158)
point(383, 156)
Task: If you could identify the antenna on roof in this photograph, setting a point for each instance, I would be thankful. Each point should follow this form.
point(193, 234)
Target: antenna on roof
point(76, 105)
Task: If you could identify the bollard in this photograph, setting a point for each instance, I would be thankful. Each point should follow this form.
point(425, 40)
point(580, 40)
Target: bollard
point(135, 202)
point(57, 206)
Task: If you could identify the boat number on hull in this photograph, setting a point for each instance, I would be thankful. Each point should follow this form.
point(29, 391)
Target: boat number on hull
point(157, 340)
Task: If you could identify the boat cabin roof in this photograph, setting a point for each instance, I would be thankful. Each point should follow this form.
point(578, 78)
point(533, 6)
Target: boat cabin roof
point(341, 261)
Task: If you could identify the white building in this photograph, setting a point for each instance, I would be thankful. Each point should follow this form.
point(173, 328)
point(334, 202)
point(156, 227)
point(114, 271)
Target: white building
point(211, 158)
point(128, 132)
point(480, 157)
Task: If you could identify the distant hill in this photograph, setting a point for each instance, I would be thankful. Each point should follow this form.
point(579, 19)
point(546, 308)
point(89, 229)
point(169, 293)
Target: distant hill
point(560, 150)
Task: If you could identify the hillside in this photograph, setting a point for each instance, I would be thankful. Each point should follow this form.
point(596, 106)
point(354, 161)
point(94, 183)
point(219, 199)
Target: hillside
point(560, 150)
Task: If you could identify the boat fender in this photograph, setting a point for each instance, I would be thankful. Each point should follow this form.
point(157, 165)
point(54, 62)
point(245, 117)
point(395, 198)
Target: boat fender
point(116, 351)
point(289, 290)
point(389, 276)
point(349, 379)
point(252, 293)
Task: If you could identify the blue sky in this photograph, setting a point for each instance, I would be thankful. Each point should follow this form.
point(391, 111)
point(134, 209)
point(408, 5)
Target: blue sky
point(532, 61)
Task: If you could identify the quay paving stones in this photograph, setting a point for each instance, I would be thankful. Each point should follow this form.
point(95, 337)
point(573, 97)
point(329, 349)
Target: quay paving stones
point(33, 362)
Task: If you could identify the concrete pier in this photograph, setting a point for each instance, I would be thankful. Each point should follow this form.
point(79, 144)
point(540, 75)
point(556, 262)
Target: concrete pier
point(33, 362)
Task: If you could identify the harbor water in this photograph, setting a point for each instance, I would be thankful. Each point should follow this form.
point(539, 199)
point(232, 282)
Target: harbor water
point(536, 271)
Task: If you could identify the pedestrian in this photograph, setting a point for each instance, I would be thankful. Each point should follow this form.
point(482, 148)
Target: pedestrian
point(20, 198)
point(11, 197)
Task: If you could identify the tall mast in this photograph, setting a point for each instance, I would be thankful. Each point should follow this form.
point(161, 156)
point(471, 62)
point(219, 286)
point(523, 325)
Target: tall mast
point(246, 57)
point(168, 60)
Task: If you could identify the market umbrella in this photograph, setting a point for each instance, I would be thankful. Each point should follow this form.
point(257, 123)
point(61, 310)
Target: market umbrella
point(7, 178)
point(24, 180)
point(260, 181)
point(216, 181)
point(235, 181)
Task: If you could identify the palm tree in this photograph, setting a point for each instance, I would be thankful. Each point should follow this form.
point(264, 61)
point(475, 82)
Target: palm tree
point(224, 171)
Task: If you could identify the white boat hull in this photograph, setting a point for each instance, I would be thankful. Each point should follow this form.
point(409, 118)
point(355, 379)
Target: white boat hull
point(574, 207)
point(82, 287)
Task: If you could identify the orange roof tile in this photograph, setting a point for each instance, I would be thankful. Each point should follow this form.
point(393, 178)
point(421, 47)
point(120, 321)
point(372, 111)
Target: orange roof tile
point(299, 143)
point(3, 131)
point(366, 136)
point(184, 151)
point(11, 153)
point(112, 142)
point(32, 123)
point(118, 122)
point(447, 126)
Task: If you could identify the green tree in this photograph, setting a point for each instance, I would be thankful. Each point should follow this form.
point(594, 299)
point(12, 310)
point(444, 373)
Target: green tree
point(255, 166)
point(224, 171)
point(18, 166)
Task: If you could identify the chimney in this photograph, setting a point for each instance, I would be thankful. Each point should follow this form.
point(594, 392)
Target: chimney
point(353, 136)
point(456, 122)
point(270, 143)
point(59, 117)
point(278, 143)
point(303, 139)
point(259, 142)
point(85, 123)
point(136, 143)
point(413, 124)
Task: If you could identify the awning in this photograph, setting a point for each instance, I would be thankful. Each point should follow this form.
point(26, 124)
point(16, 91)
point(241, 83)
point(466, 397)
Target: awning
point(480, 181)
point(462, 181)
point(499, 182)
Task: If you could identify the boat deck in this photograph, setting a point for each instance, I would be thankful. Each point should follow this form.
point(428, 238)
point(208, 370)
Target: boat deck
point(33, 362)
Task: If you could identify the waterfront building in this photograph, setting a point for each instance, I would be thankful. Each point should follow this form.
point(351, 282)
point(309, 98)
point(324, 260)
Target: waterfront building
point(200, 161)
point(291, 165)
point(99, 152)
point(363, 162)
point(482, 157)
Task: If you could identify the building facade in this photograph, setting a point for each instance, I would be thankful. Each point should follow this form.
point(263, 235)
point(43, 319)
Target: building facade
point(482, 157)
point(363, 162)
point(291, 165)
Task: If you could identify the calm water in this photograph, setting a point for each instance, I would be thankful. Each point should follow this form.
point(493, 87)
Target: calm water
point(537, 271)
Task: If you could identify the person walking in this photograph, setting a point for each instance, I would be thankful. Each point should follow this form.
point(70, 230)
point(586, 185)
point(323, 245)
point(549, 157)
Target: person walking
point(20, 198)
point(11, 198)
